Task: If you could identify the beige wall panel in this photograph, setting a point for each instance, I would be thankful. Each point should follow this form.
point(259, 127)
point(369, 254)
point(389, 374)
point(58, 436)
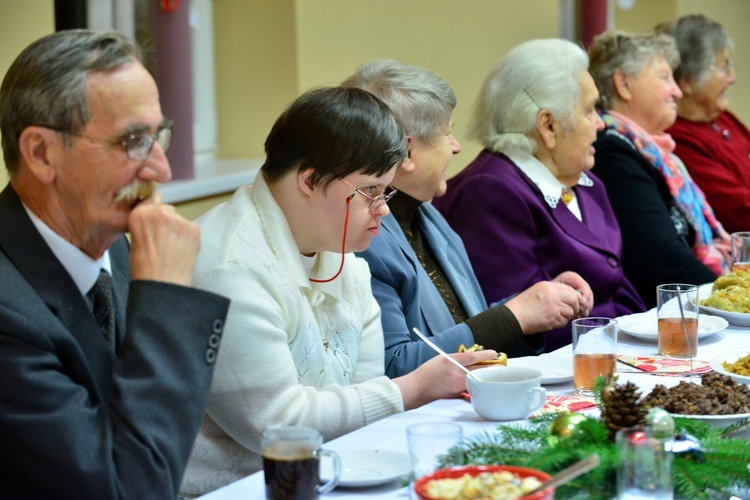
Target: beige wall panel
point(21, 22)
point(732, 14)
point(255, 71)
point(458, 40)
point(644, 15)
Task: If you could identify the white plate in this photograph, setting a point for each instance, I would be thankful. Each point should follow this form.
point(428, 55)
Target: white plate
point(555, 370)
point(730, 357)
point(643, 325)
point(361, 468)
point(739, 319)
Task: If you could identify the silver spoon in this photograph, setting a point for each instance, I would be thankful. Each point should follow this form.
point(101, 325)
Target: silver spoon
point(442, 352)
point(568, 474)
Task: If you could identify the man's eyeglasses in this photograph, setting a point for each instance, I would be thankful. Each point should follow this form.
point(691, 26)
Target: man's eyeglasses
point(726, 69)
point(375, 201)
point(137, 146)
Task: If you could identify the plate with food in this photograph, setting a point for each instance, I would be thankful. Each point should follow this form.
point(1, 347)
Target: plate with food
point(643, 325)
point(728, 297)
point(555, 369)
point(471, 481)
point(367, 467)
point(717, 400)
point(733, 364)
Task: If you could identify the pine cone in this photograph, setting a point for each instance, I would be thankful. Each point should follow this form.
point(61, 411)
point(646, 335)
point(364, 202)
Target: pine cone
point(620, 407)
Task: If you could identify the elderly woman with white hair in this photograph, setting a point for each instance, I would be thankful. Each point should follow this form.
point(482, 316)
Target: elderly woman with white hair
point(526, 207)
point(669, 231)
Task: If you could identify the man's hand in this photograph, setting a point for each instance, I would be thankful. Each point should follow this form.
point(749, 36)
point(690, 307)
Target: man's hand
point(164, 245)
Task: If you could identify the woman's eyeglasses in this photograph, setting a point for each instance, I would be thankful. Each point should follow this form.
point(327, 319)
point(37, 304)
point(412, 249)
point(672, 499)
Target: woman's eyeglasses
point(726, 69)
point(375, 201)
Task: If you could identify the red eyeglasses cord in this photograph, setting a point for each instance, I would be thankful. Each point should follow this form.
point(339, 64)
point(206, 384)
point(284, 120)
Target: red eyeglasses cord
point(343, 246)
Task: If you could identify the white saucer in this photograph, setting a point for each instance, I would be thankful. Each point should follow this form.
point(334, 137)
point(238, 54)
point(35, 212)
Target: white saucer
point(361, 468)
point(555, 370)
point(643, 325)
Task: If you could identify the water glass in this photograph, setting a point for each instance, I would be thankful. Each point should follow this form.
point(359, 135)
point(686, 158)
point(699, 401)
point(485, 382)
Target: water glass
point(645, 470)
point(427, 443)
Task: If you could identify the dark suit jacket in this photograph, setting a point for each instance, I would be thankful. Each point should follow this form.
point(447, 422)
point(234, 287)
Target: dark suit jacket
point(76, 421)
point(515, 239)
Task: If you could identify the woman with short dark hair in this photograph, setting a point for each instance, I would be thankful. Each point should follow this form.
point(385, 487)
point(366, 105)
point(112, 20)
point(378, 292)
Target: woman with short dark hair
point(303, 342)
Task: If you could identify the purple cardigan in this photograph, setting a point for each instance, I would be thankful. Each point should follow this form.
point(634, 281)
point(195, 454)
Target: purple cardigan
point(514, 239)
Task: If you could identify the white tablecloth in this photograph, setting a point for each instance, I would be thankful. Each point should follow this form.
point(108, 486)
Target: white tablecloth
point(390, 433)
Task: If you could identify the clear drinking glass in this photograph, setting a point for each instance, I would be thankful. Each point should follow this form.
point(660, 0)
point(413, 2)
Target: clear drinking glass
point(741, 251)
point(427, 443)
point(678, 312)
point(645, 470)
point(594, 352)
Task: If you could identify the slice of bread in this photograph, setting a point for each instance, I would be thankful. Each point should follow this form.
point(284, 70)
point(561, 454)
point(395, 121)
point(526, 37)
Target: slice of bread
point(501, 359)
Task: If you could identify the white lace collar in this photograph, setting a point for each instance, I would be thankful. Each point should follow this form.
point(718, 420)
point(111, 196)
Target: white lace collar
point(550, 187)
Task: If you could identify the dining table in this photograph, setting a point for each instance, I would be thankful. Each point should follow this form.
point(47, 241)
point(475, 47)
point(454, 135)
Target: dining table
point(389, 434)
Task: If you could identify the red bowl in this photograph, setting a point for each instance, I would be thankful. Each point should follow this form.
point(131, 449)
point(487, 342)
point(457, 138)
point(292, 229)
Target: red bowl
point(455, 472)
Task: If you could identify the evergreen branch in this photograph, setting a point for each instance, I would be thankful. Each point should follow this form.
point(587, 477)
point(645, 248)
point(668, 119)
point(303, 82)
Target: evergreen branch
point(722, 471)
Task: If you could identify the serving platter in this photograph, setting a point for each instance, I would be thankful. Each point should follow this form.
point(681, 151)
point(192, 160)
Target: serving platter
point(735, 318)
point(643, 325)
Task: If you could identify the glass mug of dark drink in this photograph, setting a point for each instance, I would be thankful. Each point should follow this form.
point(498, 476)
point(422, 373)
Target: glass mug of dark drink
point(594, 352)
point(291, 463)
point(677, 311)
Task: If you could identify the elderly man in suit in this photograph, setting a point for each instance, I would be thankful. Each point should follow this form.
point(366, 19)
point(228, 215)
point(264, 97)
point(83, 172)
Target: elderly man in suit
point(103, 380)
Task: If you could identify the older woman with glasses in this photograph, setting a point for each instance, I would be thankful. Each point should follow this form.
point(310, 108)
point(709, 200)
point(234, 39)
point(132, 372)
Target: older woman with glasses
point(670, 233)
point(526, 208)
point(712, 142)
point(303, 343)
point(421, 275)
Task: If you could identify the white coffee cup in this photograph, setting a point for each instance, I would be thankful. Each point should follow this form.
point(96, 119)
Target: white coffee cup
point(506, 392)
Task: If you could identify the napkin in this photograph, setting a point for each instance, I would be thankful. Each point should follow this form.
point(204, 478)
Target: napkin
point(669, 367)
point(556, 404)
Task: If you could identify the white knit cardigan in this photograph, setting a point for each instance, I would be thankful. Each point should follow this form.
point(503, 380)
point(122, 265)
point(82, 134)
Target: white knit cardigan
point(293, 352)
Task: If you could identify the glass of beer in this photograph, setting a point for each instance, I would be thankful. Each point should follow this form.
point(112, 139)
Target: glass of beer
point(677, 310)
point(741, 251)
point(594, 352)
